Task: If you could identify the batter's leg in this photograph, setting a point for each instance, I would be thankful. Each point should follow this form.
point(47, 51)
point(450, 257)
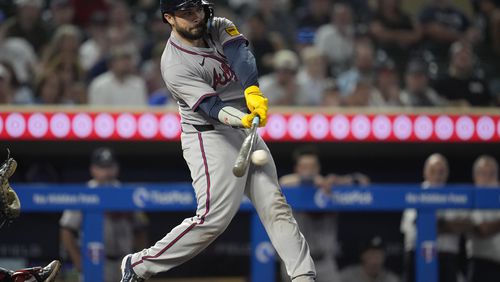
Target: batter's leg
point(218, 195)
point(263, 190)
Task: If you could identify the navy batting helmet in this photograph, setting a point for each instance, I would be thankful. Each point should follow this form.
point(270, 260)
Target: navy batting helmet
point(170, 6)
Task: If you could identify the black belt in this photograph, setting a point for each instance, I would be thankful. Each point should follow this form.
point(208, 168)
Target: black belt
point(203, 127)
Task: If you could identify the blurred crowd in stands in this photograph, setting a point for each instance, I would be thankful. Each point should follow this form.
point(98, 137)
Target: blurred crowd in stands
point(309, 52)
point(468, 242)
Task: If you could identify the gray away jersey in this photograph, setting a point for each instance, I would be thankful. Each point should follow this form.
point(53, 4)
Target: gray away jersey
point(192, 74)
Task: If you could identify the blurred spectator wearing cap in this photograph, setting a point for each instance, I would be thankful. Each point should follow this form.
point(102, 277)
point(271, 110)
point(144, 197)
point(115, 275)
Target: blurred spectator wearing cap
point(19, 53)
point(124, 232)
point(417, 91)
point(387, 81)
point(442, 24)
point(336, 39)
point(394, 31)
point(119, 85)
point(363, 68)
point(312, 77)
point(11, 91)
point(371, 268)
point(27, 23)
point(462, 82)
point(450, 225)
point(484, 240)
point(280, 86)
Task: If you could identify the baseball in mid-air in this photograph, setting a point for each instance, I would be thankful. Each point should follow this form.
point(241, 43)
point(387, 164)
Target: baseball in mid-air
point(259, 157)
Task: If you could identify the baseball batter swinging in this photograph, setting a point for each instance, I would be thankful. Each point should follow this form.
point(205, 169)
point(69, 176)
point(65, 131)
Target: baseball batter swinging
point(210, 71)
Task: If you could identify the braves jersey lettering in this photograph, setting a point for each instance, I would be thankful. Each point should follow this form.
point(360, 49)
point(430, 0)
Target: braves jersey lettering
point(193, 73)
point(224, 77)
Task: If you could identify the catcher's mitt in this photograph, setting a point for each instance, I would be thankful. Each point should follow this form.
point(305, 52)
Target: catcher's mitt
point(10, 206)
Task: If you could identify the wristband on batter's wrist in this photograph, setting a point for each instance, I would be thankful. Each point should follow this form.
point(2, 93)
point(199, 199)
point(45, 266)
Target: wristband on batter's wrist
point(231, 116)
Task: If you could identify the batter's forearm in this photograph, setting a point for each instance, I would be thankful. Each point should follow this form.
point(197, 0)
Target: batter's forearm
point(216, 109)
point(231, 116)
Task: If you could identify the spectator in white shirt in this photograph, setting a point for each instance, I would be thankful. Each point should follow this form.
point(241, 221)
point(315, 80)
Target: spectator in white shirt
point(119, 85)
point(450, 224)
point(484, 242)
point(362, 69)
point(312, 77)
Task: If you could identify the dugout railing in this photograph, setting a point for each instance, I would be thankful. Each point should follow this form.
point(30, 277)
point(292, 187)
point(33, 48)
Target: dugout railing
point(180, 197)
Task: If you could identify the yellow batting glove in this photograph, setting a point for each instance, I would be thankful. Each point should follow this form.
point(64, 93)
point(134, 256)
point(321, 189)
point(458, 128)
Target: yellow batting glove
point(247, 119)
point(255, 98)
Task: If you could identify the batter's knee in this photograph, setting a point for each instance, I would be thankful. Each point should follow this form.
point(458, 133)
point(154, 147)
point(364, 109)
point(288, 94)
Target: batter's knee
point(276, 209)
point(212, 228)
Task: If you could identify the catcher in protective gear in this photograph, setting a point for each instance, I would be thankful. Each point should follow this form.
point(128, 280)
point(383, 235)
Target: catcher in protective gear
point(47, 273)
point(10, 206)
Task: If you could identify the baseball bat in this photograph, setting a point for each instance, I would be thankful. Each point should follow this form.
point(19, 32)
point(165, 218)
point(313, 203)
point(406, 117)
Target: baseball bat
point(243, 158)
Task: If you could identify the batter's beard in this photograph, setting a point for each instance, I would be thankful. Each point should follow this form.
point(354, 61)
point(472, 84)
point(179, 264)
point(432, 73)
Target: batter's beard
point(196, 34)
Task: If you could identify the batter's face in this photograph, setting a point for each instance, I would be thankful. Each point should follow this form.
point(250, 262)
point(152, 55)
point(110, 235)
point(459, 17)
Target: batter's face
point(189, 23)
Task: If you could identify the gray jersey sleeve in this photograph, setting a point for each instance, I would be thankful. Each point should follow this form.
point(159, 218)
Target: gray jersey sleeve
point(226, 31)
point(188, 85)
